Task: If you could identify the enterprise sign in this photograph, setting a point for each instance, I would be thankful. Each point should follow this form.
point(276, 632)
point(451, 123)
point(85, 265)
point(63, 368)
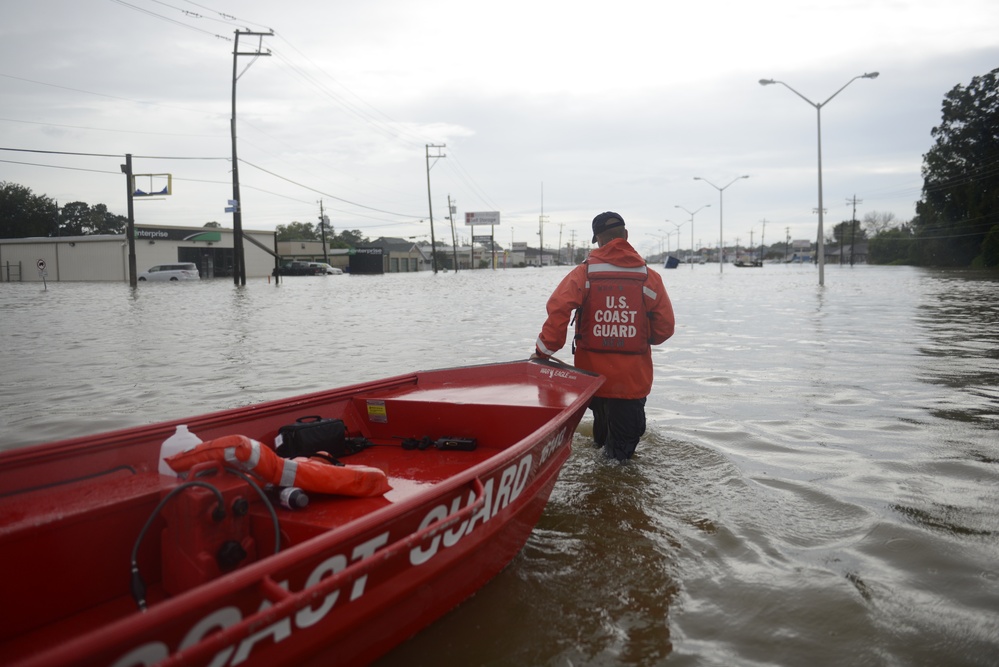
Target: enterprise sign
point(173, 234)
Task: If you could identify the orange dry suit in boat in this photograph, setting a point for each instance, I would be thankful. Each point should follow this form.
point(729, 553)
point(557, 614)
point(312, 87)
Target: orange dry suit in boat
point(260, 460)
point(629, 373)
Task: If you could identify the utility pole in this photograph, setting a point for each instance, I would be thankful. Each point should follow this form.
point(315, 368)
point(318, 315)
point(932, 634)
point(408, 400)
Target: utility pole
point(238, 259)
point(541, 229)
point(323, 221)
point(451, 208)
point(542, 219)
point(787, 242)
point(130, 228)
point(430, 202)
point(853, 228)
point(560, 226)
point(762, 235)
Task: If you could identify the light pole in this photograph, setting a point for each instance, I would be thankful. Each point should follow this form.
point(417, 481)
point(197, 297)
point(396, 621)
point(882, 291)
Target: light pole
point(721, 231)
point(663, 231)
point(691, 232)
point(818, 116)
point(678, 225)
point(666, 235)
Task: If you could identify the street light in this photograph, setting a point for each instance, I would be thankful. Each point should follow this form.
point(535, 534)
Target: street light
point(818, 115)
point(691, 232)
point(668, 234)
point(678, 225)
point(721, 232)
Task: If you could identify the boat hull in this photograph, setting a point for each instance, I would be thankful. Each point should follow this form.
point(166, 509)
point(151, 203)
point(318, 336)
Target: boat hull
point(351, 578)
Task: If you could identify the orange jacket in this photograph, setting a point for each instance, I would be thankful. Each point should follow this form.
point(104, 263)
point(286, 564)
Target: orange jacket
point(628, 375)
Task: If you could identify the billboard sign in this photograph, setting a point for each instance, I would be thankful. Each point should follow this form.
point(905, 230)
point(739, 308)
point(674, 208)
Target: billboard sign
point(482, 218)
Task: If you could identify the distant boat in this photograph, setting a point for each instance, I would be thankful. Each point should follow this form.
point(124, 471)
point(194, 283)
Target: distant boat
point(672, 262)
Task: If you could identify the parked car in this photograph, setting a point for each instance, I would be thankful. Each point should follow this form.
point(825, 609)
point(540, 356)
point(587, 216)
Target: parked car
point(309, 269)
point(298, 269)
point(182, 271)
point(325, 269)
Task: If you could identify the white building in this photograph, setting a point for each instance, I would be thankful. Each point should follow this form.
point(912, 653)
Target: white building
point(105, 257)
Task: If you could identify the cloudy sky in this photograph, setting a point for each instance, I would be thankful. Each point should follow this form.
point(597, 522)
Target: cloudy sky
point(544, 107)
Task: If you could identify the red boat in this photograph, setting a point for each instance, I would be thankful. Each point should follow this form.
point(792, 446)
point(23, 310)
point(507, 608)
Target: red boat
point(88, 526)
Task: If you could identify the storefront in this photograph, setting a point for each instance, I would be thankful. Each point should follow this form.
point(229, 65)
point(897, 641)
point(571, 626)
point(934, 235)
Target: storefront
point(105, 257)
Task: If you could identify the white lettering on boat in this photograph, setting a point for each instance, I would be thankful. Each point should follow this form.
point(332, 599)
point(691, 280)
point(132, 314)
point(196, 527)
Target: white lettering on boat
point(553, 444)
point(512, 481)
point(153, 652)
point(556, 373)
point(498, 492)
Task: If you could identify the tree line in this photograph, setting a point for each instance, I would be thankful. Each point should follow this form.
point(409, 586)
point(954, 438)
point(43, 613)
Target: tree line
point(307, 231)
point(24, 214)
point(957, 217)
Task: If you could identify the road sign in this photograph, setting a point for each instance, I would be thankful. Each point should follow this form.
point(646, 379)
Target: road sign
point(40, 264)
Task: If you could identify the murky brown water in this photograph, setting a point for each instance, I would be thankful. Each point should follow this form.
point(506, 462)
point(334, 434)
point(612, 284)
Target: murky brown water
point(819, 484)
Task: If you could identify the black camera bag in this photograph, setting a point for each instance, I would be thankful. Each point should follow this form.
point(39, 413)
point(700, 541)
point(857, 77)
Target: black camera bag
point(311, 435)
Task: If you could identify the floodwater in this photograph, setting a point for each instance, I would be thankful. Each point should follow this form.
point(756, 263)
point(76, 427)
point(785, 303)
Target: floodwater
point(819, 484)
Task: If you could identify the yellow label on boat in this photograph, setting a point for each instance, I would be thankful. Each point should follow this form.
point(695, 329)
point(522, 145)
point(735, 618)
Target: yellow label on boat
point(377, 411)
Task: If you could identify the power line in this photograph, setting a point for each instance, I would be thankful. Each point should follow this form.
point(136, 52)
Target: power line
point(55, 166)
point(105, 129)
point(168, 19)
point(111, 155)
point(326, 194)
point(111, 97)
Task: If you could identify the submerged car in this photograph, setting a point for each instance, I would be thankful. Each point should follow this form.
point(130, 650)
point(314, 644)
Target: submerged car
point(181, 271)
point(309, 269)
point(323, 268)
point(298, 269)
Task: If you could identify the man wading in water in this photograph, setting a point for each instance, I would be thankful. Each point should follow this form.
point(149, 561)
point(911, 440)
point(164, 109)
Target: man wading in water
point(620, 309)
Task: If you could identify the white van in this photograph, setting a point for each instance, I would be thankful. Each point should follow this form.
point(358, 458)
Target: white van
point(182, 271)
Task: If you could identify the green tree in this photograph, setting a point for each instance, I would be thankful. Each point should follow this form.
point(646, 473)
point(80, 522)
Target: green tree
point(212, 225)
point(79, 218)
point(892, 246)
point(848, 231)
point(960, 199)
point(24, 214)
point(348, 239)
point(296, 231)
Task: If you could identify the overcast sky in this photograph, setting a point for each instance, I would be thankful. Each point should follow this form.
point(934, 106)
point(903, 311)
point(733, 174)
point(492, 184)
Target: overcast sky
point(555, 108)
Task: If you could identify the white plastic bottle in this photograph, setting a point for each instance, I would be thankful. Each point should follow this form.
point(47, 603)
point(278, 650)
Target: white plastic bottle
point(181, 441)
